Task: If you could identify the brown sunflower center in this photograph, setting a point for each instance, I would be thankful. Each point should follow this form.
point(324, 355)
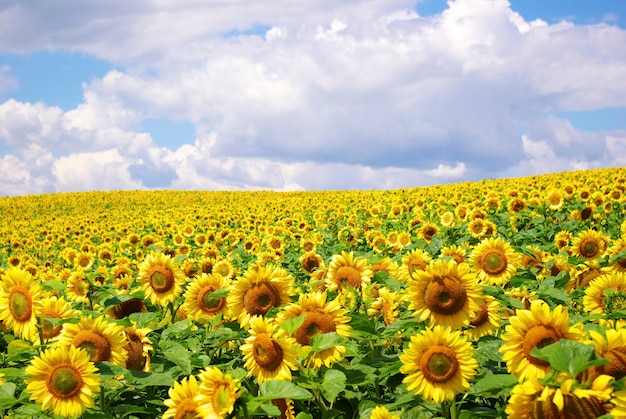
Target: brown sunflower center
point(267, 352)
point(445, 295)
point(186, 409)
point(415, 265)
point(617, 366)
point(20, 304)
point(64, 382)
point(98, 347)
point(136, 360)
point(348, 276)
point(209, 304)
point(161, 279)
point(260, 298)
point(481, 317)
point(128, 307)
point(493, 262)
point(310, 263)
point(539, 337)
point(314, 324)
point(589, 248)
point(81, 287)
point(438, 364)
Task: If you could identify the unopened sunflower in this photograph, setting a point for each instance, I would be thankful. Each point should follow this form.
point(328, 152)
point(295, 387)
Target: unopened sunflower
point(161, 279)
point(346, 270)
point(102, 339)
point(320, 317)
point(439, 364)
point(182, 399)
point(199, 303)
point(494, 261)
point(381, 412)
point(63, 380)
point(445, 294)
point(534, 328)
point(20, 303)
point(217, 394)
point(605, 295)
point(268, 353)
point(257, 291)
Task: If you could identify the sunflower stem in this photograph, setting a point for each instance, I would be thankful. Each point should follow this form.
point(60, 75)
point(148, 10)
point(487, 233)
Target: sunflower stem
point(40, 332)
point(102, 399)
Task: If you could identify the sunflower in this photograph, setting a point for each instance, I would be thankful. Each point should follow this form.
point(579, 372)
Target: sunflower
point(78, 287)
point(562, 240)
point(102, 339)
point(217, 394)
point(516, 205)
point(319, 317)
point(619, 263)
point(605, 295)
point(381, 412)
point(530, 329)
point(346, 270)
point(54, 307)
point(310, 261)
point(477, 228)
point(446, 294)
point(20, 303)
point(439, 363)
point(487, 320)
point(428, 231)
point(63, 380)
point(161, 279)
point(387, 304)
point(447, 219)
point(268, 353)
point(225, 268)
point(555, 199)
point(589, 244)
point(530, 399)
point(139, 347)
point(494, 261)
point(455, 252)
point(257, 291)
point(582, 274)
point(125, 308)
point(412, 262)
point(182, 399)
point(286, 408)
point(199, 303)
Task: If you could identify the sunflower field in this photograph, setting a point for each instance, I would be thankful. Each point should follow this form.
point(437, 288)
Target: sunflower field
point(492, 299)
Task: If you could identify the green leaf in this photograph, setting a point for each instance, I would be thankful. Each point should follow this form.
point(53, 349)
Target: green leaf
point(176, 353)
point(53, 285)
point(492, 384)
point(109, 370)
point(183, 326)
point(142, 379)
point(325, 341)
point(334, 382)
point(281, 389)
point(291, 325)
point(569, 356)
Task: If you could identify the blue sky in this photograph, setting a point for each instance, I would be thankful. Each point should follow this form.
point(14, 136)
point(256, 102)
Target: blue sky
point(362, 95)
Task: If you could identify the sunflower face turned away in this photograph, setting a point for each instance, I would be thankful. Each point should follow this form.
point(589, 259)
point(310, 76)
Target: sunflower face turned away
point(438, 364)
point(161, 280)
point(63, 380)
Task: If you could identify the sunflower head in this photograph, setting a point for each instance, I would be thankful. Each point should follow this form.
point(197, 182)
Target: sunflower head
point(161, 279)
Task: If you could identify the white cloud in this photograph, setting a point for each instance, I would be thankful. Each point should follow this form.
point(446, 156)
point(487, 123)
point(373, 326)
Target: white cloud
point(7, 81)
point(352, 94)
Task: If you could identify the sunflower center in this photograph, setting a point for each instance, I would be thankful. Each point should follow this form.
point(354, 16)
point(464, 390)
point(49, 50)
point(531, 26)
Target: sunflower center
point(186, 409)
point(589, 248)
point(260, 298)
point(439, 364)
point(162, 279)
point(493, 262)
point(481, 317)
point(20, 304)
point(314, 324)
point(96, 345)
point(615, 301)
point(48, 329)
point(209, 304)
point(222, 399)
point(64, 382)
point(348, 276)
point(539, 337)
point(128, 307)
point(310, 263)
point(445, 295)
point(81, 287)
point(573, 407)
point(267, 352)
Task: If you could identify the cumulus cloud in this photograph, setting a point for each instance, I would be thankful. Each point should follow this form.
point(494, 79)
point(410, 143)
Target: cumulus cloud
point(337, 95)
